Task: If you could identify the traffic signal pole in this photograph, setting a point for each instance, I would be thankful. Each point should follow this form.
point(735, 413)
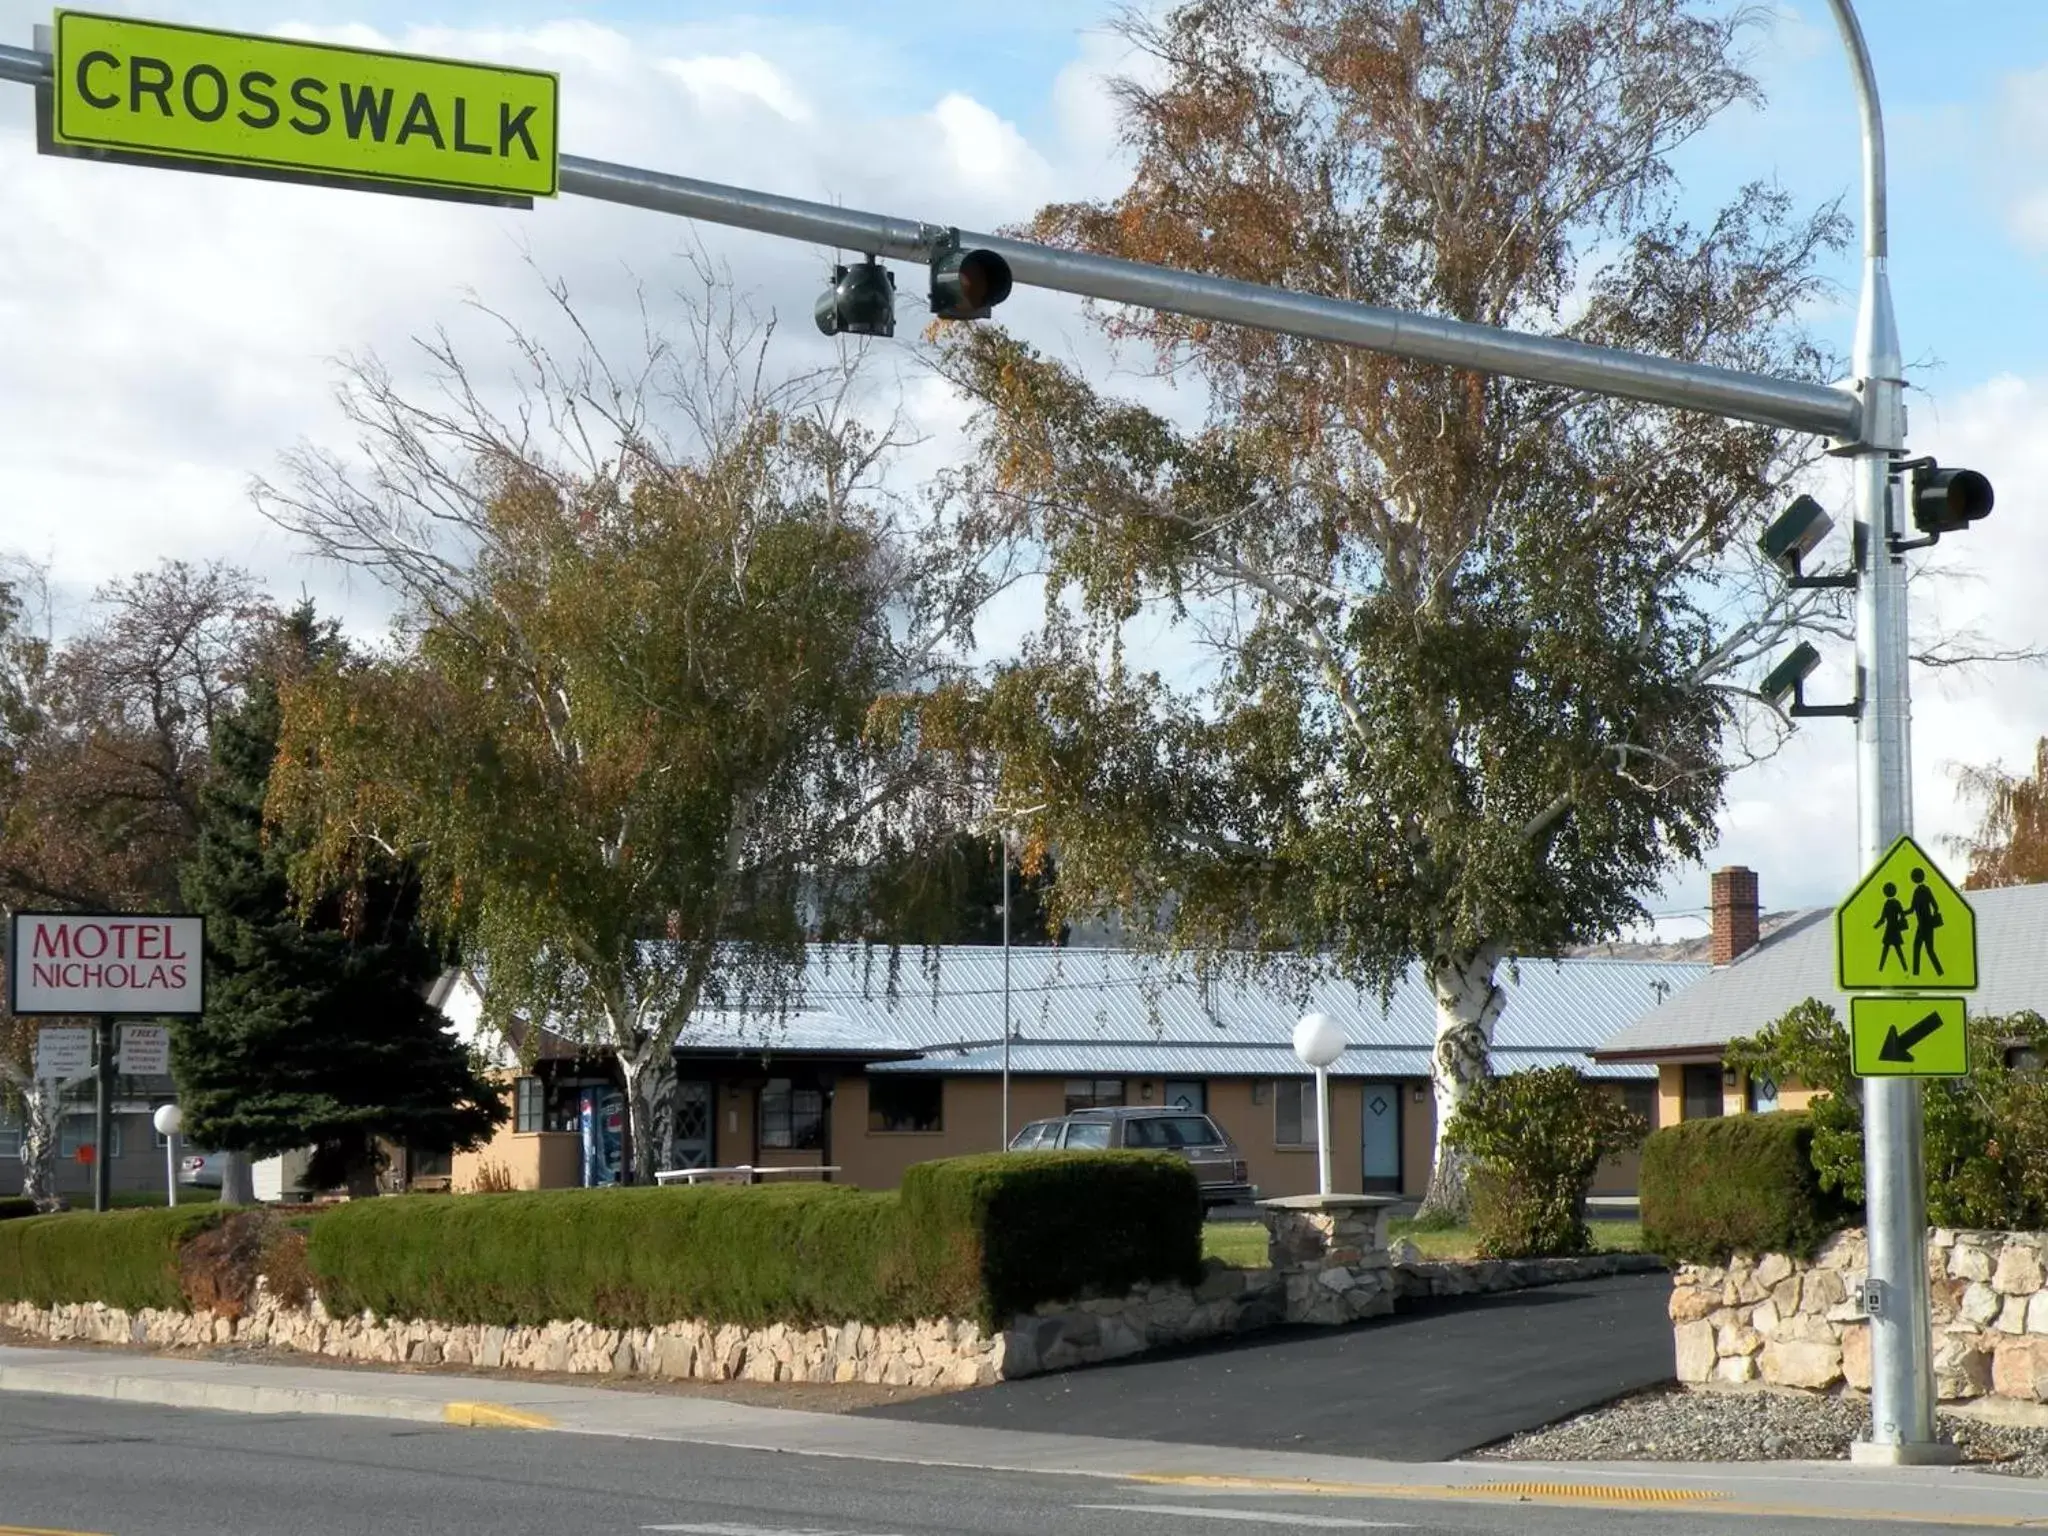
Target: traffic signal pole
point(1863, 418)
point(1896, 1294)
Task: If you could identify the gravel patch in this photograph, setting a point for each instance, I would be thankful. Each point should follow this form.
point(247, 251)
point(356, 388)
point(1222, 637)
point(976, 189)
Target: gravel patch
point(1681, 1424)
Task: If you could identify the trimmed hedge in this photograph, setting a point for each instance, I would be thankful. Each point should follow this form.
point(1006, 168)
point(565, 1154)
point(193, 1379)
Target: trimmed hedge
point(12, 1207)
point(976, 1237)
point(127, 1259)
point(998, 1234)
point(1742, 1184)
point(618, 1257)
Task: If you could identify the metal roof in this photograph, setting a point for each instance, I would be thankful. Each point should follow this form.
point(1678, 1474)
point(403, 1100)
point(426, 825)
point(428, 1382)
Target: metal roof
point(1084, 1008)
point(1143, 1059)
point(1798, 961)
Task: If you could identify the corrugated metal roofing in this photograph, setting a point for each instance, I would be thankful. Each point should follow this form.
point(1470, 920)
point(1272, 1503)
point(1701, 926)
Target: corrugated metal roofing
point(1087, 1004)
point(1134, 1059)
point(1798, 962)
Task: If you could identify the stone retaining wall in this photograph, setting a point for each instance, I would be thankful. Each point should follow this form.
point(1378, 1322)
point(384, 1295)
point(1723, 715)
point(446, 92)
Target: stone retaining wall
point(1802, 1324)
point(1329, 1264)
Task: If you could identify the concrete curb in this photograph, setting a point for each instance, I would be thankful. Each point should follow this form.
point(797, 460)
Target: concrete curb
point(257, 1397)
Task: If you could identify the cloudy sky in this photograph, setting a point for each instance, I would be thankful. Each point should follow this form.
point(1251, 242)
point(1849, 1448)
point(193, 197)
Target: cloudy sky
point(164, 337)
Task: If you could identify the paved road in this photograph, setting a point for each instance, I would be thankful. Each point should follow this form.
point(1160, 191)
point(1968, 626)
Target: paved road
point(116, 1469)
point(1425, 1385)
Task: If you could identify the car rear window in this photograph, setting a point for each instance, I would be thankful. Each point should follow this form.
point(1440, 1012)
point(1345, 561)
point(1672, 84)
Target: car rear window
point(1080, 1135)
point(1031, 1136)
point(1171, 1131)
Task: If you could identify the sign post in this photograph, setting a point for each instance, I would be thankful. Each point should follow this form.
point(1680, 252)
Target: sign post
point(107, 966)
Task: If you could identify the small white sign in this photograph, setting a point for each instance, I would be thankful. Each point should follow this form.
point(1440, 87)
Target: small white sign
point(63, 1055)
point(145, 1050)
point(104, 963)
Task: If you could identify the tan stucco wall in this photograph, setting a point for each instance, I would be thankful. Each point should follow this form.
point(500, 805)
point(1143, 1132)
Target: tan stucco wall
point(535, 1160)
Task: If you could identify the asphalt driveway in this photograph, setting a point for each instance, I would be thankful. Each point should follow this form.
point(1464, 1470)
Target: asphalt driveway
point(1424, 1385)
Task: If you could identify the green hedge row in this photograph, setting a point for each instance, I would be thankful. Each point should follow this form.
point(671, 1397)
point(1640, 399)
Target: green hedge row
point(977, 1237)
point(1740, 1184)
point(127, 1259)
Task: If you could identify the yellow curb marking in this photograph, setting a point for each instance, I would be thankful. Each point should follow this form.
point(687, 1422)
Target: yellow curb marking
point(1705, 1501)
point(37, 1530)
point(487, 1416)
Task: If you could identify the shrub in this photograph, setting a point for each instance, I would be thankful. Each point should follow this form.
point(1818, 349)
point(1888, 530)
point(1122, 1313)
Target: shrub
point(1537, 1138)
point(620, 1258)
point(1744, 1184)
point(13, 1206)
point(1986, 1137)
point(998, 1234)
point(127, 1259)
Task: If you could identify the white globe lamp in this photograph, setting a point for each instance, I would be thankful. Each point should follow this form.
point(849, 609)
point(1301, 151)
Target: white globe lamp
point(1318, 1042)
point(169, 1120)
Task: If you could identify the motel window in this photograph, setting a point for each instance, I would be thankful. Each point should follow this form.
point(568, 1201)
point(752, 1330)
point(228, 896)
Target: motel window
point(1294, 1113)
point(1094, 1092)
point(899, 1103)
point(10, 1135)
point(792, 1118)
point(1640, 1098)
point(530, 1105)
point(1702, 1092)
point(75, 1131)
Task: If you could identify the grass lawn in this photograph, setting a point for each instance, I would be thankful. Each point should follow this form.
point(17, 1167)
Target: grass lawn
point(134, 1199)
point(1243, 1243)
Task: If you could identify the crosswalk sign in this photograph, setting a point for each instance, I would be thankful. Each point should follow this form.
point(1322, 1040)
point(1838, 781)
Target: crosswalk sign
point(1906, 928)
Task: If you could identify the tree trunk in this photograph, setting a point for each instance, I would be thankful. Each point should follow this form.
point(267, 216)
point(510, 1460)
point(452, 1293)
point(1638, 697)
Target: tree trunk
point(650, 1113)
point(39, 1145)
point(1468, 1005)
point(237, 1179)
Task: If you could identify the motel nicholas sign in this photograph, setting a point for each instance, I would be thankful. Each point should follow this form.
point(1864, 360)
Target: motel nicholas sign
point(105, 963)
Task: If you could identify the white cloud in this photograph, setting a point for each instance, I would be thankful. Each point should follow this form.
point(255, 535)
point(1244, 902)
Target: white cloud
point(747, 78)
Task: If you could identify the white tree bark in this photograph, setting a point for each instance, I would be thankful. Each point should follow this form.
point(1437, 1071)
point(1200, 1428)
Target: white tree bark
point(39, 1144)
point(650, 1076)
point(1468, 1005)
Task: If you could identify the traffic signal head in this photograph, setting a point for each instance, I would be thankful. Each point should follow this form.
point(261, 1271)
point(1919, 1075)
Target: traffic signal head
point(1787, 677)
point(1946, 500)
point(860, 302)
point(1795, 534)
point(967, 284)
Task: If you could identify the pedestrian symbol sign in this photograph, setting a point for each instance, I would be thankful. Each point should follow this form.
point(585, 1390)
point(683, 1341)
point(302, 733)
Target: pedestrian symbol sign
point(1908, 1037)
point(1906, 928)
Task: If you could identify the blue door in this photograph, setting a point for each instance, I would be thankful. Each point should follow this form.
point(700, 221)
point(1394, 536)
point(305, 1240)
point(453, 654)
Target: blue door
point(1382, 1136)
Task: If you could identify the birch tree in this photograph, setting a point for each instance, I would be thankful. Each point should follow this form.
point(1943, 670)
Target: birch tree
point(625, 728)
point(1479, 649)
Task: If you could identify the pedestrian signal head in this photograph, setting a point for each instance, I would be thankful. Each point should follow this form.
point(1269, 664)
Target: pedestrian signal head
point(967, 284)
point(1947, 500)
point(860, 302)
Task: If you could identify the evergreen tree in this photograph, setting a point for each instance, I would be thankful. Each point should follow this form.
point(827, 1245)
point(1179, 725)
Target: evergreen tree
point(317, 1029)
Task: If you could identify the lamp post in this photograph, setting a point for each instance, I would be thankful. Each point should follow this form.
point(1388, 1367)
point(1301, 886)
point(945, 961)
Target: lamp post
point(1005, 821)
point(1318, 1042)
point(169, 1120)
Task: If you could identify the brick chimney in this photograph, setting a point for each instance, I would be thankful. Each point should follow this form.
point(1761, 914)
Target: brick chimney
point(1732, 894)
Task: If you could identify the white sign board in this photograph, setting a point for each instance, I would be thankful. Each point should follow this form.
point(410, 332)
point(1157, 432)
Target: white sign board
point(63, 1055)
point(145, 1050)
point(104, 963)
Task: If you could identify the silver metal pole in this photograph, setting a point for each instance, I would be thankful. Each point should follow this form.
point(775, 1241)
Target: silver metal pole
point(1787, 403)
point(171, 1165)
point(1901, 1334)
point(1005, 836)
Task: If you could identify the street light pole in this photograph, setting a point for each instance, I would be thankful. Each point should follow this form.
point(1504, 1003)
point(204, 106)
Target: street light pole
point(1901, 1339)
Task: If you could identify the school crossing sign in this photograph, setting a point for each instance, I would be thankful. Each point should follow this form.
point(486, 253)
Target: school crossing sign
point(1906, 928)
point(192, 98)
point(1906, 934)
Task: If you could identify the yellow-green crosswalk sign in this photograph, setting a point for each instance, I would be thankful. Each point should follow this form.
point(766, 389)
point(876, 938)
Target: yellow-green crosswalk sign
point(1906, 928)
point(1909, 1037)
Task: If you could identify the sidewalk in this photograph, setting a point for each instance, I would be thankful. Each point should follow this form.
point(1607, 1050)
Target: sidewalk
point(1784, 1490)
